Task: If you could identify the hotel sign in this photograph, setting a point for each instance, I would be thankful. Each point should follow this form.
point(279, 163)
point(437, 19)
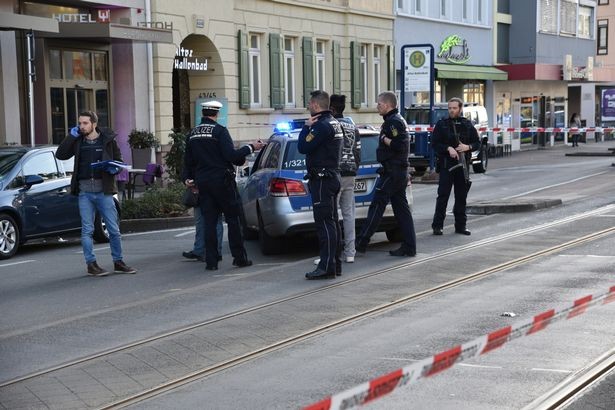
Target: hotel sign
point(103, 17)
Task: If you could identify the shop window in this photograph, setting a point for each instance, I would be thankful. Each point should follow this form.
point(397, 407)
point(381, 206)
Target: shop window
point(254, 62)
point(100, 66)
point(474, 92)
point(320, 65)
point(377, 71)
point(289, 72)
point(603, 37)
point(77, 65)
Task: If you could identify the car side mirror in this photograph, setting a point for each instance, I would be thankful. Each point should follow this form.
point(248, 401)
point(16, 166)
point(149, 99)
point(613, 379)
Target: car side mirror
point(32, 180)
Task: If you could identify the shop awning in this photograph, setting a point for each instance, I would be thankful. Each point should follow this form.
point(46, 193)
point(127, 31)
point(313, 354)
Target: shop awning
point(12, 21)
point(470, 72)
point(114, 31)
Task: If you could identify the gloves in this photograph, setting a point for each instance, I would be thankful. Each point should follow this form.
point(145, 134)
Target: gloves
point(75, 132)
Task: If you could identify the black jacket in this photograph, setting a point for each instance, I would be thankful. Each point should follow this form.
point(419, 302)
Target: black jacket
point(322, 143)
point(71, 146)
point(395, 128)
point(351, 149)
point(210, 153)
point(444, 137)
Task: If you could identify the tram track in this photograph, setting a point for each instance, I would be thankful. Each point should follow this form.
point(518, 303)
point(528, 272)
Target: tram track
point(285, 342)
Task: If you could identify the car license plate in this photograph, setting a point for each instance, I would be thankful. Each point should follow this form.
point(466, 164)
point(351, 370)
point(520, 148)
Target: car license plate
point(360, 186)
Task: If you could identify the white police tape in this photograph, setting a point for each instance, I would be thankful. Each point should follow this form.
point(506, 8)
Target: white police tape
point(383, 385)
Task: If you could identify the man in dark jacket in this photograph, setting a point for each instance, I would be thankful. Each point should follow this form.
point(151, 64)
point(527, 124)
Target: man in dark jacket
point(453, 137)
point(392, 153)
point(208, 163)
point(349, 164)
point(95, 187)
point(321, 141)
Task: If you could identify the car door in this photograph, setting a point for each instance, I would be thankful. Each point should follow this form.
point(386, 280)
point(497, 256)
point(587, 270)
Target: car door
point(254, 187)
point(365, 181)
point(47, 207)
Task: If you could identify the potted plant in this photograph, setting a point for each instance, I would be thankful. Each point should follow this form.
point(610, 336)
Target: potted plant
point(143, 143)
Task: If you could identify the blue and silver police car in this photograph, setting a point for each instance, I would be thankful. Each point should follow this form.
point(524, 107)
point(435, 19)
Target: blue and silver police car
point(276, 199)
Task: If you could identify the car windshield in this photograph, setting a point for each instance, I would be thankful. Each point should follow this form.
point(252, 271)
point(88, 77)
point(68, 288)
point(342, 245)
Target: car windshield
point(421, 115)
point(8, 159)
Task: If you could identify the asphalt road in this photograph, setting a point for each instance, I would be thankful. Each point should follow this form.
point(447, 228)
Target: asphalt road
point(53, 313)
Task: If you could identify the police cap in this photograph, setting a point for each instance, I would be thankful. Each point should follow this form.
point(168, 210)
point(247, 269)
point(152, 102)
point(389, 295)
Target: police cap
point(211, 105)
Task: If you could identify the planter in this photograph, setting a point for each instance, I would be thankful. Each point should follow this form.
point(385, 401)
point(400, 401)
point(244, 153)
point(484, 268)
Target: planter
point(141, 157)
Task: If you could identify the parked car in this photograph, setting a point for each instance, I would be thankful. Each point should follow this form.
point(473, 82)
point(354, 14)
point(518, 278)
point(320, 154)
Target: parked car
point(276, 201)
point(417, 115)
point(35, 199)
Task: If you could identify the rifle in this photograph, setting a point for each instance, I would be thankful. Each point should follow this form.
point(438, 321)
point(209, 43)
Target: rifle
point(462, 160)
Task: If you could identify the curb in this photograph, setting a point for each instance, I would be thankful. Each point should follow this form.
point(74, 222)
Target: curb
point(155, 224)
point(522, 205)
point(590, 154)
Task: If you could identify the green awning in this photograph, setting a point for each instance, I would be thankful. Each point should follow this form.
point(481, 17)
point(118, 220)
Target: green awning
point(470, 72)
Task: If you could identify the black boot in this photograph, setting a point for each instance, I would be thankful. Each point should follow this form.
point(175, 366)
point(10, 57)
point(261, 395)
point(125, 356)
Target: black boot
point(402, 252)
point(319, 274)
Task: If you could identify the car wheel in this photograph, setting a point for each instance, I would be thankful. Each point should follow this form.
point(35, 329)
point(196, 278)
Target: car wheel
point(269, 245)
point(9, 236)
point(101, 234)
point(394, 235)
point(481, 167)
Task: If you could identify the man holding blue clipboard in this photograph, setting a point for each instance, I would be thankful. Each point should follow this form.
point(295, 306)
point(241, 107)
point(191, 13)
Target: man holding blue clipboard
point(97, 160)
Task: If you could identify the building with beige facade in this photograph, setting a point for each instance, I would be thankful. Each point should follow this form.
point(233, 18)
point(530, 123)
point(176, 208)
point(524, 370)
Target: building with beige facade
point(262, 58)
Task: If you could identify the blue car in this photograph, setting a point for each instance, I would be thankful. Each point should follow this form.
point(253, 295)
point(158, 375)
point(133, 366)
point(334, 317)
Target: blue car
point(35, 199)
point(276, 201)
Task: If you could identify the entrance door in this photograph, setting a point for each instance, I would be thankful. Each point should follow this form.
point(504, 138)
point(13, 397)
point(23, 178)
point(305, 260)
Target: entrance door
point(77, 100)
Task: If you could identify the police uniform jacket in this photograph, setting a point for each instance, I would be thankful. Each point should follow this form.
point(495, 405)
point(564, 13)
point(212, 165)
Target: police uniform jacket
point(395, 128)
point(351, 149)
point(322, 143)
point(210, 153)
point(444, 136)
point(71, 146)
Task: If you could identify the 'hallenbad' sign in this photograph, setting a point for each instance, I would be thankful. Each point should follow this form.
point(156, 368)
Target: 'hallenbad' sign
point(184, 60)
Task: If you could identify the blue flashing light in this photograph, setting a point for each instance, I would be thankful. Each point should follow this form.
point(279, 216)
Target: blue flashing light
point(283, 127)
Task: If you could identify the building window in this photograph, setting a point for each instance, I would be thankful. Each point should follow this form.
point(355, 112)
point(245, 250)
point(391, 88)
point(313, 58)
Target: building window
point(479, 10)
point(464, 9)
point(363, 70)
point(438, 97)
point(289, 72)
point(377, 71)
point(603, 37)
point(254, 63)
point(418, 6)
point(474, 92)
point(320, 65)
point(603, 2)
point(548, 12)
point(503, 45)
point(400, 4)
point(443, 8)
point(568, 17)
point(586, 20)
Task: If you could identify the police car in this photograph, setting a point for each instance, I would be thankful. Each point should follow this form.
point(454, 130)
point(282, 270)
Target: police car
point(276, 199)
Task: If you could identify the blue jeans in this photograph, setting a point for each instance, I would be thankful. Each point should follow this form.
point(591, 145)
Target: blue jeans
point(89, 203)
point(199, 236)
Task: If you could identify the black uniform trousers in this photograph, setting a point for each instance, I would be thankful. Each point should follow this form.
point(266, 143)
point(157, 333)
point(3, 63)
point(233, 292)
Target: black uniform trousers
point(391, 186)
point(448, 180)
point(215, 197)
point(324, 193)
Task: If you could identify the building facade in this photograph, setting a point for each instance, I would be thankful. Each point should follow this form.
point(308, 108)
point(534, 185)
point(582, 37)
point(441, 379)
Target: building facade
point(262, 58)
point(604, 68)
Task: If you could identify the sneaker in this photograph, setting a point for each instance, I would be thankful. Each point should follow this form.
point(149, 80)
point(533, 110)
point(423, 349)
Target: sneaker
point(316, 261)
point(121, 267)
point(437, 231)
point(95, 270)
point(349, 259)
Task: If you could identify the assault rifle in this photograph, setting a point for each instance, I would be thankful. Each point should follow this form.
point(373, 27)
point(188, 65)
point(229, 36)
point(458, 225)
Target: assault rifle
point(462, 163)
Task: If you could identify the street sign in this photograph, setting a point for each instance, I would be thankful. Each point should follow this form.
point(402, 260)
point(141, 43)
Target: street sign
point(418, 66)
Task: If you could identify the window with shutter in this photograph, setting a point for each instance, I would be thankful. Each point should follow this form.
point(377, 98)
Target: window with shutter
point(586, 22)
point(568, 17)
point(337, 68)
point(391, 68)
point(289, 72)
point(548, 12)
point(275, 70)
point(254, 62)
point(603, 35)
point(244, 70)
point(355, 74)
point(308, 69)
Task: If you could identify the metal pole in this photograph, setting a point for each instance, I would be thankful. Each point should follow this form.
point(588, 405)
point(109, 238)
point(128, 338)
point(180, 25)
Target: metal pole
point(31, 77)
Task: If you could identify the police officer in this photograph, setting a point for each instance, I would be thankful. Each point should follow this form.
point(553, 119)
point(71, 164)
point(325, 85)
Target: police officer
point(453, 137)
point(392, 153)
point(321, 142)
point(208, 163)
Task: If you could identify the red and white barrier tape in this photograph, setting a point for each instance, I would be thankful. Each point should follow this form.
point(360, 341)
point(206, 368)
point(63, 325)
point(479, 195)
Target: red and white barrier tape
point(384, 385)
point(527, 129)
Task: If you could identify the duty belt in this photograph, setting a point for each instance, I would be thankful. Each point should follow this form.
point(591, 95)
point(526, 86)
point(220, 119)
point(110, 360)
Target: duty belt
point(319, 173)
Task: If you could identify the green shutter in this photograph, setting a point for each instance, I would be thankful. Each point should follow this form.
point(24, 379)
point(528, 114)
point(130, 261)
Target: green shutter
point(308, 69)
point(275, 69)
point(337, 68)
point(244, 74)
point(391, 68)
point(355, 74)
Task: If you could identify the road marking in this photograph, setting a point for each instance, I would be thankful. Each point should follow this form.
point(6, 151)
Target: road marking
point(554, 185)
point(97, 249)
point(270, 264)
point(185, 233)
point(586, 256)
point(17, 263)
point(397, 359)
point(158, 231)
point(538, 369)
point(229, 274)
point(480, 366)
